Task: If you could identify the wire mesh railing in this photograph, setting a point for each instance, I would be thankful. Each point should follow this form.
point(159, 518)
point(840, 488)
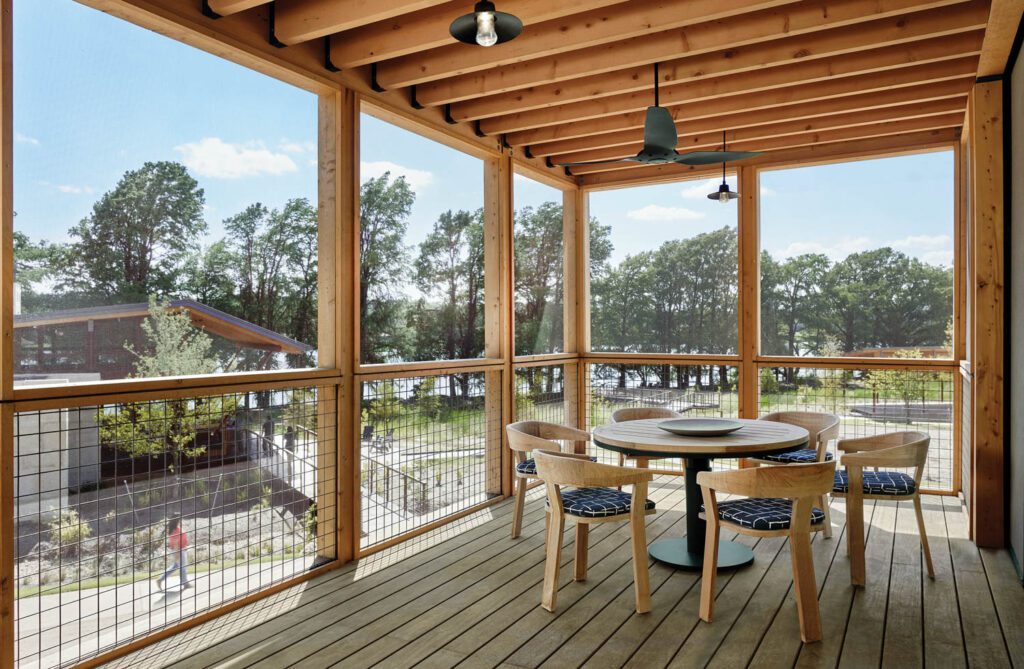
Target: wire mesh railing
point(873, 401)
point(429, 448)
point(540, 394)
point(692, 390)
point(134, 516)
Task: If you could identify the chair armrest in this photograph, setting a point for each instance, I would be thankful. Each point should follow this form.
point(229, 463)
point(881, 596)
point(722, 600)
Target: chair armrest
point(908, 455)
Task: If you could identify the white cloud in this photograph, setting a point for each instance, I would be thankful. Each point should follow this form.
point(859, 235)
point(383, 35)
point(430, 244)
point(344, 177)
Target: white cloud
point(71, 189)
point(836, 251)
point(289, 146)
point(767, 192)
point(25, 139)
point(701, 189)
point(932, 249)
point(656, 212)
point(215, 158)
point(416, 178)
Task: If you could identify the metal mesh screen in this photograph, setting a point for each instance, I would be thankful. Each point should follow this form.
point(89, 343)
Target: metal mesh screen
point(873, 402)
point(692, 390)
point(965, 439)
point(133, 517)
point(429, 449)
point(540, 394)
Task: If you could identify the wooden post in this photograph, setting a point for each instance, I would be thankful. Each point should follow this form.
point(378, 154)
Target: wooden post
point(749, 285)
point(987, 325)
point(499, 339)
point(6, 341)
point(577, 208)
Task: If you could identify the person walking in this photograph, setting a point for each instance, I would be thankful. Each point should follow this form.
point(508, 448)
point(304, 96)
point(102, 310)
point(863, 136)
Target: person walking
point(268, 435)
point(177, 541)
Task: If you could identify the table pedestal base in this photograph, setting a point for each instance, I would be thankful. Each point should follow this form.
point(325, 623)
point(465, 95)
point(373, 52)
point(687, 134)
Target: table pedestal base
point(675, 553)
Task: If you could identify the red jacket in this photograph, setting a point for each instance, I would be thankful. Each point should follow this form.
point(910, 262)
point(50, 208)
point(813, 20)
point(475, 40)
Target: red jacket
point(177, 540)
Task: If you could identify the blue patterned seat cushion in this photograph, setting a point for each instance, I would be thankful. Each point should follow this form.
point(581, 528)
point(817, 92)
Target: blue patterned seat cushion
point(877, 483)
point(598, 502)
point(762, 513)
point(529, 467)
point(803, 455)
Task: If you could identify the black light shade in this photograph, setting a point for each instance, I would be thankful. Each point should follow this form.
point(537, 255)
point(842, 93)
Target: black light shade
point(723, 194)
point(467, 27)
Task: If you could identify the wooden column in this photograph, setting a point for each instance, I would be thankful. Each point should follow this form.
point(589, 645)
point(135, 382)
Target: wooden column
point(576, 228)
point(749, 303)
point(338, 523)
point(987, 325)
point(7, 584)
point(498, 313)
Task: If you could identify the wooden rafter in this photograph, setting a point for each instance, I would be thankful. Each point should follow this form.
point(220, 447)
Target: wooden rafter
point(684, 113)
point(697, 38)
point(428, 29)
point(229, 7)
point(927, 35)
point(297, 21)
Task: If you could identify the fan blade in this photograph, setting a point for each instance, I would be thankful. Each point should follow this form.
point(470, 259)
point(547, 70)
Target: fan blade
point(631, 159)
point(659, 131)
point(709, 157)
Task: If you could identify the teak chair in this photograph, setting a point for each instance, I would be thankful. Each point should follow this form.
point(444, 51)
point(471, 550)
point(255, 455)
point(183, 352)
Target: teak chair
point(527, 436)
point(594, 499)
point(823, 428)
point(641, 413)
point(882, 452)
point(779, 501)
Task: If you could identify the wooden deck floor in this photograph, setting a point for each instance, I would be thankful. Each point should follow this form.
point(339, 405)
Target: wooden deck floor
point(467, 595)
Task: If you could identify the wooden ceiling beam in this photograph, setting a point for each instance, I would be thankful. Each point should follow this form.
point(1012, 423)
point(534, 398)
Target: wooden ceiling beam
point(461, 81)
point(297, 21)
point(891, 127)
point(229, 7)
point(818, 79)
point(942, 29)
point(708, 132)
point(420, 31)
point(1004, 19)
point(582, 31)
point(797, 107)
point(851, 110)
point(877, 147)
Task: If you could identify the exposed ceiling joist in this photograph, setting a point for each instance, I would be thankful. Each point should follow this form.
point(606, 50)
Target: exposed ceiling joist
point(229, 7)
point(669, 45)
point(876, 147)
point(428, 29)
point(843, 75)
point(1004, 19)
point(582, 31)
point(891, 127)
point(708, 132)
point(798, 105)
point(939, 30)
point(297, 21)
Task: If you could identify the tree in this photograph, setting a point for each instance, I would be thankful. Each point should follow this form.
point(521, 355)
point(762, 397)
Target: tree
point(384, 209)
point(137, 239)
point(798, 289)
point(212, 277)
point(539, 279)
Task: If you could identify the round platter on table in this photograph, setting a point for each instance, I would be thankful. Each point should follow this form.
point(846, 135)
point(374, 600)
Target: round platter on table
point(700, 427)
point(646, 438)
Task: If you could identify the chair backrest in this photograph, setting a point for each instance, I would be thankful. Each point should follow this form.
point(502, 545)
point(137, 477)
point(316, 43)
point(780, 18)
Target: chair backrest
point(367, 431)
point(643, 413)
point(823, 427)
point(791, 482)
point(902, 450)
point(530, 435)
point(561, 469)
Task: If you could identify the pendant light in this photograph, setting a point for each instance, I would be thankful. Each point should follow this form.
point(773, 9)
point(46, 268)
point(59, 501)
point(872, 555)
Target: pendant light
point(486, 26)
point(723, 194)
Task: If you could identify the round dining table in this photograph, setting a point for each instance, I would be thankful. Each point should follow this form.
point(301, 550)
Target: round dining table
point(643, 438)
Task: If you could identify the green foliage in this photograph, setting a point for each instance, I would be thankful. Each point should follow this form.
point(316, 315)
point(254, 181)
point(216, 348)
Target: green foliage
point(67, 529)
point(769, 384)
point(428, 402)
point(900, 384)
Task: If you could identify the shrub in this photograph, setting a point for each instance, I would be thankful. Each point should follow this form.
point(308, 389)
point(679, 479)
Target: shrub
point(68, 529)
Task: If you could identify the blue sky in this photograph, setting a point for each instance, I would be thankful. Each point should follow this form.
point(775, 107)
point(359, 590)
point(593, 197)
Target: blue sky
point(95, 96)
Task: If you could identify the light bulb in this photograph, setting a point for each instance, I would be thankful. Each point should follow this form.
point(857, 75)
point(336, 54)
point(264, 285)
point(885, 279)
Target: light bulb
point(485, 35)
point(723, 196)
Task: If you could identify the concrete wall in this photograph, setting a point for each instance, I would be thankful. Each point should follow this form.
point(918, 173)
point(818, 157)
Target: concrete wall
point(1016, 282)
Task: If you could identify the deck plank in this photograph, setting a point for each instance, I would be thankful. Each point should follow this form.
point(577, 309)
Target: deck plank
point(469, 598)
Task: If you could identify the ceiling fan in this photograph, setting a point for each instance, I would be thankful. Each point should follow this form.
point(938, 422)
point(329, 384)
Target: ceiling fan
point(661, 139)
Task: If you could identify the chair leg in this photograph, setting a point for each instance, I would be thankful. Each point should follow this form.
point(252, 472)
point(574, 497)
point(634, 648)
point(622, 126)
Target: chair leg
point(552, 562)
point(517, 507)
point(823, 505)
point(641, 577)
point(710, 571)
point(622, 463)
point(855, 538)
point(804, 587)
point(580, 562)
point(924, 536)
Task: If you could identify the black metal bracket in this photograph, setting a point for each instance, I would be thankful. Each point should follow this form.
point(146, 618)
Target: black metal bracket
point(271, 37)
point(568, 173)
point(504, 142)
point(412, 98)
point(527, 152)
point(328, 65)
point(209, 13)
point(547, 161)
point(481, 133)
point(373, 79)
point(448, 115)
